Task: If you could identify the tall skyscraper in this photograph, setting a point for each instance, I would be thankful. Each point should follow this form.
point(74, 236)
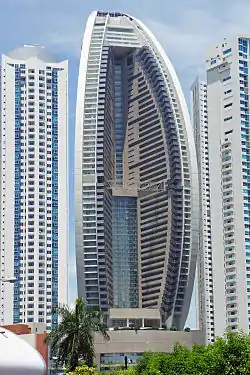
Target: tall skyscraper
point(34, 185)
point(204, 279)
point(229, 163)
point(136, 183)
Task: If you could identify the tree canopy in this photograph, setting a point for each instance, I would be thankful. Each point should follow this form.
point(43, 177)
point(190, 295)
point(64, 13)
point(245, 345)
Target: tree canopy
point(72, 340)
point(227, 356)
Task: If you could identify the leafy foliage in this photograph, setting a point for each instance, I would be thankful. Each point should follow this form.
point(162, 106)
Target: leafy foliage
point(227, 356)
point(72, 341)
point(83, 370)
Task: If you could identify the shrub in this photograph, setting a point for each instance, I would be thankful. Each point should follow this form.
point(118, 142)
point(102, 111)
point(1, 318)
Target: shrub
point(83, 370)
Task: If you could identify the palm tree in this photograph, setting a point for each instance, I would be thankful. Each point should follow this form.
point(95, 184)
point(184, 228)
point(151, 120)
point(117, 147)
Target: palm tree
point(72, 340)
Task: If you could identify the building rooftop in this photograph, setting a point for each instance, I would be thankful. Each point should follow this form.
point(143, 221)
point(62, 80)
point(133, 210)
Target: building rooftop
point(30, 51)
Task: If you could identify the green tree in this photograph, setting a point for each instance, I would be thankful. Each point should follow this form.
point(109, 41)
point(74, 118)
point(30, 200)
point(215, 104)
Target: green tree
point(230, 355)
point(72, 340)
point(227, 356)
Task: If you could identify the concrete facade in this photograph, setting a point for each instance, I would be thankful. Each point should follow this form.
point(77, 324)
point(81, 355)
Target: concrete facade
point(136, 313)
point(34, 185)
point(204, 272)
point(130, 342)
point(229, 167)
point(136, 246)
point(137, 317)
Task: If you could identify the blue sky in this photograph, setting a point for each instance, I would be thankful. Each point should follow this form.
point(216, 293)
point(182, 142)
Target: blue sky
point(184, 28)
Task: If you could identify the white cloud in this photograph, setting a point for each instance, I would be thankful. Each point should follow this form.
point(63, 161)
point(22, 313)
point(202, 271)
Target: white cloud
point(14, 3)
point(66, 42)
point(187, 32)
point(179, 45)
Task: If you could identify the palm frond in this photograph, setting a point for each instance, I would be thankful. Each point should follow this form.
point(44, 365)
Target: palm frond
point(72, 341)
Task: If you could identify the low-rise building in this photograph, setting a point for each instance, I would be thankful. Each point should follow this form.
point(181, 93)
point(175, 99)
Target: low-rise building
point(135, 331)
point(132, 344)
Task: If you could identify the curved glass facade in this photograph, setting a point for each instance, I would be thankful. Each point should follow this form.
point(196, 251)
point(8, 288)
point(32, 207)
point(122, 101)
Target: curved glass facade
point(136, 183)
point(125, 251)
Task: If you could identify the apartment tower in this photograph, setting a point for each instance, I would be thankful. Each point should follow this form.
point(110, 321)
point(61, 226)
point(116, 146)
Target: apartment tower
point(34, 185)
point(136, 183)
point(204, 273)
point(229, 164)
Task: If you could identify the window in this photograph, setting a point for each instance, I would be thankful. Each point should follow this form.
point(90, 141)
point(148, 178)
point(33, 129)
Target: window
point(227, 51)
point(226, 78)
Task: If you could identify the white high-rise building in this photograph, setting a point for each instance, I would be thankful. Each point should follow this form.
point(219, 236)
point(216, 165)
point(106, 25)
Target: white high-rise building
point(204, 274)
point(229, 163)
point(136, 183)
point(34, 185)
